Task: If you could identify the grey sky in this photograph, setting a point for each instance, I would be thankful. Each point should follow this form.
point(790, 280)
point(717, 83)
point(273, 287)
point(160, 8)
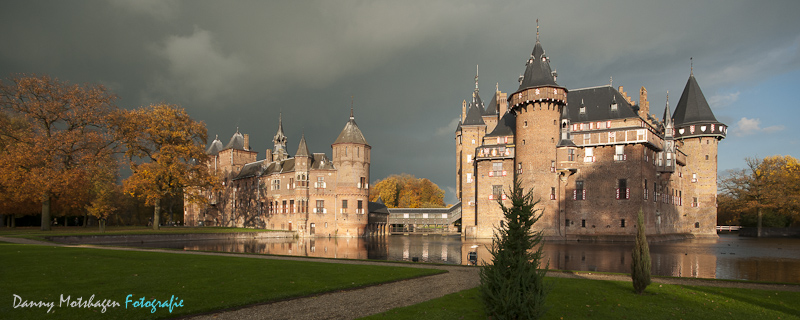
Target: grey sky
point(409, 64)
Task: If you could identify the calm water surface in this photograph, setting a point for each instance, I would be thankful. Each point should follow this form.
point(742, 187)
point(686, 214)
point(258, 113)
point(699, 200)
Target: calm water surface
point(728, 257)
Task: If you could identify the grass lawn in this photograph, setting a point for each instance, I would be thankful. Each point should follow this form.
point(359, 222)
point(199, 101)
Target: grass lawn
point(204, 283)
point(36, 234)
point(596, 299)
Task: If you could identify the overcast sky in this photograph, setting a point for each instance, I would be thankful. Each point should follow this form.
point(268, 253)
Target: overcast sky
point(409, 64)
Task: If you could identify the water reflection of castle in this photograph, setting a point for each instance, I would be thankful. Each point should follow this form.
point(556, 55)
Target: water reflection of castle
point(601, 257)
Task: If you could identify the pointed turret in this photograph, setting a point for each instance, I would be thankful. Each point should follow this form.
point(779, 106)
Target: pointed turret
point(566, 138)
point(215, 147)
point(537, 69)
point(279, 152)
point(667, 162)
point(693, 115)
point(351, 133)
point(302, 149)
point(237, 141)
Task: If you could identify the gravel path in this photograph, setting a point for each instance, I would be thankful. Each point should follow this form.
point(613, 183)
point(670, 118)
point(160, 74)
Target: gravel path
point(355, 303)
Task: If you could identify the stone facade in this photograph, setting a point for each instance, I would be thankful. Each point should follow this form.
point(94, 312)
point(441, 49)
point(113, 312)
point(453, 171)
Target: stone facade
point(309, 193)
point(593, 157)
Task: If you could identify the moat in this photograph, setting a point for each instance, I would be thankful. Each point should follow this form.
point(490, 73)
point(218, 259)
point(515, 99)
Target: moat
point(728, 257)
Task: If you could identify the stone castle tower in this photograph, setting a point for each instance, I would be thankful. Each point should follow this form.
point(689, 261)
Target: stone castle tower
point(538, 105)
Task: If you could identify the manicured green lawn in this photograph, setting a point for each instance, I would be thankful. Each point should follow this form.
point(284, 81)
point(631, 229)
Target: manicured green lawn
point(595, 299)
point(204, 283)
point(36, 234)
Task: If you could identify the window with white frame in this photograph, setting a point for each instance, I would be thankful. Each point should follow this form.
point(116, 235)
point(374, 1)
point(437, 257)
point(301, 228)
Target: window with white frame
point(320, 208)
point(589, 155)
point(619, 155)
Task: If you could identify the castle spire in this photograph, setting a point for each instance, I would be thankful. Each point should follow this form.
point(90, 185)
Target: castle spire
point(537, 29)
point(691, 67)
point(476, 78)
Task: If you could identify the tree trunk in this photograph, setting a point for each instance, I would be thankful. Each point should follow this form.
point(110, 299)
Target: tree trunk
point(102, 224)
point(156, 214)
point(85, 219)
point(13, 221)
point(46, 213)
point(759, 223)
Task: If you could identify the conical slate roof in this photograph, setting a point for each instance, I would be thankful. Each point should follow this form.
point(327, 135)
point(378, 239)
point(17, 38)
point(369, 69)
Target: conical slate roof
point(473, 118)
point(351, 133)
point(237, 141)
point(302, 149)
point(692, 107)
point(491, 108)
point(215, 147)
point(537, 70)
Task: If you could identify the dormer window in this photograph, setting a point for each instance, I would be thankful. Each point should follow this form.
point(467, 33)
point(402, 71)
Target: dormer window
point(582, 110)
point(613, 107)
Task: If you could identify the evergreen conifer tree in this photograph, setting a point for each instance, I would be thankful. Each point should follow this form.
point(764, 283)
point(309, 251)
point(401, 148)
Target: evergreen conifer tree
point(640, 264)
point(513, 286)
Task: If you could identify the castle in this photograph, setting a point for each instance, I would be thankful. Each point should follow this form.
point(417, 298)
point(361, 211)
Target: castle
point(592, 156)
point(308, 193)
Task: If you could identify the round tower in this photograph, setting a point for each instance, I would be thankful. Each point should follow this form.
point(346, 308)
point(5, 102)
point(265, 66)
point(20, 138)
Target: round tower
point(538, 105)
point(698, 133)
point(351, 157)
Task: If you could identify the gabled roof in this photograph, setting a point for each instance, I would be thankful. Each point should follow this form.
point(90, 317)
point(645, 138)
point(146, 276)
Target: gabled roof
point(458, 128)
point(692, 107)
point(351, 133)
point(505, 127)
point(537, 70)
point(597, 102)
point(302, 149)
point(237, 141)
point(215, 147)
point(474, 116)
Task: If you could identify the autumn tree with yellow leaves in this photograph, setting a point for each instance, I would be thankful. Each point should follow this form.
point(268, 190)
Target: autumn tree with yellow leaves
point(407, 191)
point(53, 135)
point(166, 152)
point(767, 186)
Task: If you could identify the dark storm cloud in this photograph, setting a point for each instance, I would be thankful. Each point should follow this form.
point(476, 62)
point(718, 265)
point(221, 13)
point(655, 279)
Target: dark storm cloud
point(408, 65)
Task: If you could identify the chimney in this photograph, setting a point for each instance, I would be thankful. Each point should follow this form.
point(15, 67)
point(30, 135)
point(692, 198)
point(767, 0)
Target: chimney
point(268, 156)
point(463, 110)
point(247, 142)
point(503, 101)
point(644, 105)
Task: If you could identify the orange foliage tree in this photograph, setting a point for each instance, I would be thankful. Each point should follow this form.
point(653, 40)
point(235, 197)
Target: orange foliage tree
point(166, 150)
point(407, 191)
point(770, 185)
point(53, 135)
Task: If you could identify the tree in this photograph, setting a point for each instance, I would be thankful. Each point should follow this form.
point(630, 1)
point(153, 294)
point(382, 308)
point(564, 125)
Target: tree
point(53, 133)
point(640, 264)
point(407, 191)
point(173, 148)
point(513, 286)
point(767, 186)
point(105, 195)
